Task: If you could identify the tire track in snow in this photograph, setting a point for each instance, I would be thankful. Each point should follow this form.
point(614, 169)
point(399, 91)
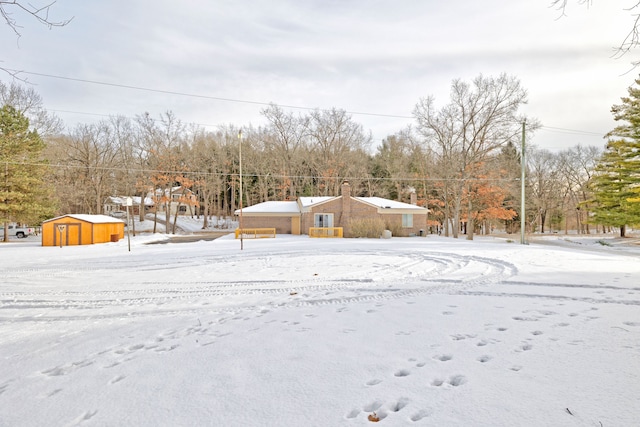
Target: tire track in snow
point(394, 275)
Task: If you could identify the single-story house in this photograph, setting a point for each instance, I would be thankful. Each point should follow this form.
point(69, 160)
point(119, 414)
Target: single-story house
point(296, 217)
point(81, 229)
point(119, 204)
point(179, 199)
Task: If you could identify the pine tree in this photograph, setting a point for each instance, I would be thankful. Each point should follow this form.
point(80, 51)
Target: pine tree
point(23, 193)
point(617, 179)
point(617, 173)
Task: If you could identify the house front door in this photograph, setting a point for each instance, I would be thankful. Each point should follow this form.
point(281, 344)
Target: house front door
point(323, 220)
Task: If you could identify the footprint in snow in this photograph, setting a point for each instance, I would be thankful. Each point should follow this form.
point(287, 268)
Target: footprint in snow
point(401, 403)
point(525, 347)
point(443, 357)
point(353, 413)
point(419, 415)
point(373, 406)
point(86, 416)
point(457, 380)
point(117, 379)
point(402, 373)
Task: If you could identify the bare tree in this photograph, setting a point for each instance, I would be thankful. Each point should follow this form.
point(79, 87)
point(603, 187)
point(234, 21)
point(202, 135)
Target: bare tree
point(29, 103)
point(86, 163)
point(546, 185)
point(39, 12)
point(287, 136)
point(481, 118)
point(577, 166)
point(336, 141)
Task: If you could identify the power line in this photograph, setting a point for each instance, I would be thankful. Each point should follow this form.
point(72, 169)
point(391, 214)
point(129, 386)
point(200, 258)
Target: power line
point(143, 171)
point(571, 131)
point(224, 99)
point(191, 95)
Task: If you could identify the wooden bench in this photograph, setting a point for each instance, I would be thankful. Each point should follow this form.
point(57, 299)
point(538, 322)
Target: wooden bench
point(256, 233)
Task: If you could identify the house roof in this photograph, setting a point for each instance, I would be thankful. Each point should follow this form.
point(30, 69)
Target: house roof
point(271, 208)
point(94, 219)
point(304, 203)
point(388, 204)
point(122, 200)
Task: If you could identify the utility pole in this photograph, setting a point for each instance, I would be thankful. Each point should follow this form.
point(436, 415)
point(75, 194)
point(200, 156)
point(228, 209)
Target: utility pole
point(522, 189)
point(240, 164)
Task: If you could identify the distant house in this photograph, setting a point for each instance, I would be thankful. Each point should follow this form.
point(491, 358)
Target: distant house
point(180, 199)
point(72, 230)
point(119, 204)
point(296, 217)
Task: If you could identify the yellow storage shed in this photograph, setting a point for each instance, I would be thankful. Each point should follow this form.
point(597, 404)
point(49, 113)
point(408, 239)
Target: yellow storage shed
point(80, 229)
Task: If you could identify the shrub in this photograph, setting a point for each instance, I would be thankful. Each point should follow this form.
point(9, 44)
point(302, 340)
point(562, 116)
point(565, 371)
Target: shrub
point(368, 227)
point(396, 230)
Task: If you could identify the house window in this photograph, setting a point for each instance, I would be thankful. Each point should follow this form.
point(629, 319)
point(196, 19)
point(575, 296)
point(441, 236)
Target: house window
point(182, 209)
point(407, 220)
point(323, 220)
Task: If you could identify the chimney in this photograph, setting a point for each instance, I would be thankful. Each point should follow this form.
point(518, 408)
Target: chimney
point(346, 203)
point(346, 189)
point(414, 198)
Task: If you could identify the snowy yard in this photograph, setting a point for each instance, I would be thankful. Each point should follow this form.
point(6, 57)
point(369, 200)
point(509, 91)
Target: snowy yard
point(296, 331)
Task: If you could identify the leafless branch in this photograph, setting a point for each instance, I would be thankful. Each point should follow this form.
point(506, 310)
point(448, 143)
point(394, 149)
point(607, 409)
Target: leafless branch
point(40, 13)
point(632, 39)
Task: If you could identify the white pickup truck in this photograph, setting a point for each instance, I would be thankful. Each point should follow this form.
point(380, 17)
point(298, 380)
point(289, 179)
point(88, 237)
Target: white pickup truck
point(17, 231)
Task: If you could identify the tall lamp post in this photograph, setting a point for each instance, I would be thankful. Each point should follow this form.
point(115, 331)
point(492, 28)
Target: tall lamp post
point(240, 164)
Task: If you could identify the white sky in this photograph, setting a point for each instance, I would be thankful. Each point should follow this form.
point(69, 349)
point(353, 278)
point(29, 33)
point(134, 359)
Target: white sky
point(375, 57)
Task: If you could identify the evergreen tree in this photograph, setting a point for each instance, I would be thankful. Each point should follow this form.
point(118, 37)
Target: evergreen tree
point(23, 193)
point(616, 176)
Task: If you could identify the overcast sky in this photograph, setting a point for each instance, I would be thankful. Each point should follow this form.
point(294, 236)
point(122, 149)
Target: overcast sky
point(364, 56)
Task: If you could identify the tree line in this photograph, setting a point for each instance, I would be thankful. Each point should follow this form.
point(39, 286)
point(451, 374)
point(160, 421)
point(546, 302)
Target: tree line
point(463, 161)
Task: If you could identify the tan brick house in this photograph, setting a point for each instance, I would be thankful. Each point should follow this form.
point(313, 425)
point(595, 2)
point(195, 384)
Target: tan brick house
point(297, 217)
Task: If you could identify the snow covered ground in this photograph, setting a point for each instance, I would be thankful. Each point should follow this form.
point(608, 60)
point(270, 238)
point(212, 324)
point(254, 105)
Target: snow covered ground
point(294, 331)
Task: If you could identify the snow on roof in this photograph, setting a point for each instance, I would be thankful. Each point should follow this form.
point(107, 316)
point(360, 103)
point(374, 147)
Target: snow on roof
point(310, 201)
point(271, 207)
point(94, 219)
point(122, 200)
point(388, 204)
point(306, 202)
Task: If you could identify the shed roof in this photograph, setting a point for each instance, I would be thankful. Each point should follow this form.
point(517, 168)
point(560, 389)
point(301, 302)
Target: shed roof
point(94, 219)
